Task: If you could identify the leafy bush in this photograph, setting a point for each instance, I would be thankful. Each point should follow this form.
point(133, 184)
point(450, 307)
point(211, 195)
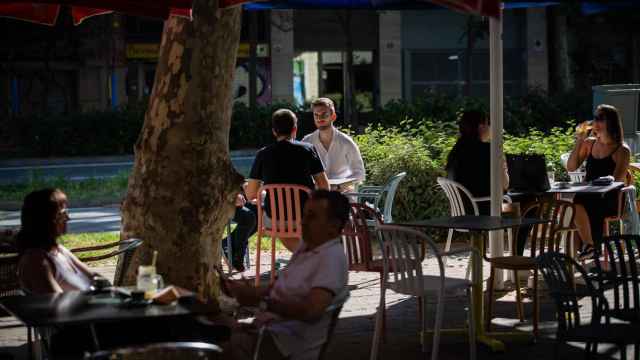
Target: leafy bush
point(387, 152)
point(537, 109)
point(552, 145)
point(421, 147)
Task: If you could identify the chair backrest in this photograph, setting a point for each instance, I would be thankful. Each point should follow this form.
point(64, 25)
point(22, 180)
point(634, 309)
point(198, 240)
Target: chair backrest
point(403, 250)
point(356, 237)
point(557, 272)
point(456, 193)
point(629, 211)
point(9, 282)
point(389, 194)
point(576, 176)
point(165, 350)
point(622, 275)
point(285, 206)
point(545, 236)
point(335, 310)
point(124, 249)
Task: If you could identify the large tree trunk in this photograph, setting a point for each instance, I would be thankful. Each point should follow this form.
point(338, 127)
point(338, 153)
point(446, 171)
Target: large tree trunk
point(182, 188)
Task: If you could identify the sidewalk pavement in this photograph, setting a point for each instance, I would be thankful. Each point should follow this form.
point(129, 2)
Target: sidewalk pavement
point(353, 335)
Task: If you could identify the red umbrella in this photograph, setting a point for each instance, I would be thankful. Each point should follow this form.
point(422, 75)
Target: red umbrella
point(481, 7)
point(46, 11)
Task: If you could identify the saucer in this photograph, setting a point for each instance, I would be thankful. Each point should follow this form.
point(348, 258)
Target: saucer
point(562, 185)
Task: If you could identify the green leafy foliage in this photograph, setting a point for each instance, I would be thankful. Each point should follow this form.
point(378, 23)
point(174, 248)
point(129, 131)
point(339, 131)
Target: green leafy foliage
point(387, 152)
point(557, 142)
point(421, 148)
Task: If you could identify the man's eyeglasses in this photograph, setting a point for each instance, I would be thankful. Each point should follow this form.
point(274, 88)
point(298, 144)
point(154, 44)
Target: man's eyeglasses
point(322, 116)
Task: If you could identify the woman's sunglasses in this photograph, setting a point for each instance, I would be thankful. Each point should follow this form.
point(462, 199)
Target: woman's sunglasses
point(599, 117)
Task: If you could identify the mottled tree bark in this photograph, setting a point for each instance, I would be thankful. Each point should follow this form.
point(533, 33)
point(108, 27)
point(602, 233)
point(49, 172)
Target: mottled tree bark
point(182, 188)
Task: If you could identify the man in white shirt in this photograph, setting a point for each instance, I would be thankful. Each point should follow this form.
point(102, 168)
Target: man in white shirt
point(294, 308)
point(339, 153)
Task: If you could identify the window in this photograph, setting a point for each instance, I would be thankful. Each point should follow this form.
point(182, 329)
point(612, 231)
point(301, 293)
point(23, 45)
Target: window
point(444, 71)
point(323, 73)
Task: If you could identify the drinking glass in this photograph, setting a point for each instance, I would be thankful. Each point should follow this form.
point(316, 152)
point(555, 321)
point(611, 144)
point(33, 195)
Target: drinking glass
point(148, 280)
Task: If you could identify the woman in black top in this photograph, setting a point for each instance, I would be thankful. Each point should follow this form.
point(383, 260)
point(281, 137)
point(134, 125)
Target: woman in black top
point(606, 154)
point(469, 159)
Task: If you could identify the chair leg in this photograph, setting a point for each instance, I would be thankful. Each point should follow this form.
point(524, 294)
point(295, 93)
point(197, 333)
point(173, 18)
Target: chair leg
point(472, 329)
point(258, 241)
point(536, 305)
point(384, 315)
point(447, 245)
point(623, 351)
point(587, 350)
point(378, 327)
point(437, 326)
point(519, 307)
point(273, 259)
point(489, 306)
point(29, 343)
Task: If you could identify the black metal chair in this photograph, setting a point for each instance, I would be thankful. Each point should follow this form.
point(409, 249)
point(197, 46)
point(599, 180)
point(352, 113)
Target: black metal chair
point(619, 274)
point(557, 270)
point(165, 350)
point(332, 310)
point(10, 285)
point(124, 249)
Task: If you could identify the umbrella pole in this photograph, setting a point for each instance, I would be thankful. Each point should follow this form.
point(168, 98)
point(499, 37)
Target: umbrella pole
point(496, 96)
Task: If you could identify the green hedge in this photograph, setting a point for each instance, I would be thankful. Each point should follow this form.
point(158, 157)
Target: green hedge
point(421, 147)
point(115, 132)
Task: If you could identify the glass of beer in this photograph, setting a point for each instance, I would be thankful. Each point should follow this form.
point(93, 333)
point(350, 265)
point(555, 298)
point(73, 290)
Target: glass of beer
point(584, 127)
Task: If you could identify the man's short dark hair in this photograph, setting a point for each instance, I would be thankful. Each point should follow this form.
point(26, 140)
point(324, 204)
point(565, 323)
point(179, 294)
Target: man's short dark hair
point(283, 121)
point(338, 205)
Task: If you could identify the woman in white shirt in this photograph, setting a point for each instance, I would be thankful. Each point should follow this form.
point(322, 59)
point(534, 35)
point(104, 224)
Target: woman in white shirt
point(46, 266)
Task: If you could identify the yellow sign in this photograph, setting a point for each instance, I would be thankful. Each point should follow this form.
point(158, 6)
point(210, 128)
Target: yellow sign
point(262, 50)
point(142, 51)
point(149, 51)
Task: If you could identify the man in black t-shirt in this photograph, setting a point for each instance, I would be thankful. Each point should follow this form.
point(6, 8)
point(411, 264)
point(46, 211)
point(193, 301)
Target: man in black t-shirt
point(286, 162)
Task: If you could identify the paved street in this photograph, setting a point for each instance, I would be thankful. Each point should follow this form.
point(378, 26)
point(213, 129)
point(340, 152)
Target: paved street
point(353, 335)
point(97, 219)
point(22, 170)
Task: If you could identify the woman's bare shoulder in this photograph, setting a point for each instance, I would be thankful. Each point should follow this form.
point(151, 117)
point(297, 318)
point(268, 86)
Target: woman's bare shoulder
point(623, 151)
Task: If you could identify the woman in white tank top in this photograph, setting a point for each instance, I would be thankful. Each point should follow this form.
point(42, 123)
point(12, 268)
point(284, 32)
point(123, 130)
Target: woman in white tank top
point(46, 266)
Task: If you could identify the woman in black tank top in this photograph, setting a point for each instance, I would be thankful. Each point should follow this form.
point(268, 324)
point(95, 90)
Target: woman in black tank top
point(606, 154)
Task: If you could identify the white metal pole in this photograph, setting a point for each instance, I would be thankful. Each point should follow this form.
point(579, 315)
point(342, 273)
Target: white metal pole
point(496, 86)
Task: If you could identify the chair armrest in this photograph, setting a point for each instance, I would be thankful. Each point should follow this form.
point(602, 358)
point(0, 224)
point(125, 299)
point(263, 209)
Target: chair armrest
point(480, 199)
point(95, 248)
point(123, 247)
point(367, 188)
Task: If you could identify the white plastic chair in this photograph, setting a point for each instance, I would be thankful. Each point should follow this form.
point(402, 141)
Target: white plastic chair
point(403, 273)
point(456, 193)
point(575, 176)
point(379, 193)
